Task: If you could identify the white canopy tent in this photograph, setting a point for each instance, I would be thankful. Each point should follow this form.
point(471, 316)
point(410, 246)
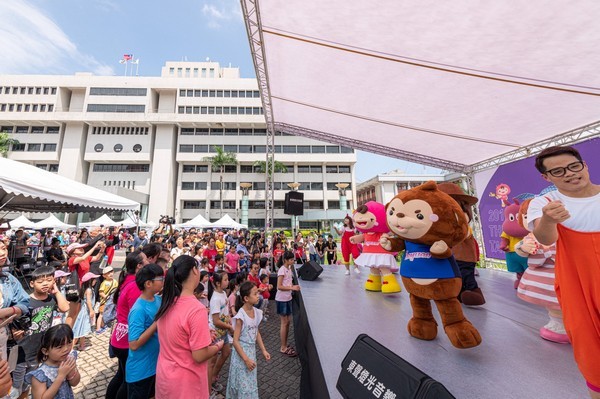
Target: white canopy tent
point(19, 222)
point(453, 85)
point(24, 187)
point(226, 222)
point(52, 222)
point(103, 220)
point(130, 222)
point(198, 222)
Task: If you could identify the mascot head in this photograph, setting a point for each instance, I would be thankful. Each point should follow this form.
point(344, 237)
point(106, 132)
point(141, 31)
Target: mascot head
point(370, 217)
point(522, 217)
point(425, 215)
point(512, 225)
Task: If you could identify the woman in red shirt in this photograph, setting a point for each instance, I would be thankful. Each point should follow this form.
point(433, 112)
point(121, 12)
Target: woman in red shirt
point(210, 253)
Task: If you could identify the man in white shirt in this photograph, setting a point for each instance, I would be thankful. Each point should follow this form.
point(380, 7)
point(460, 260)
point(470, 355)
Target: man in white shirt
point(570, 216)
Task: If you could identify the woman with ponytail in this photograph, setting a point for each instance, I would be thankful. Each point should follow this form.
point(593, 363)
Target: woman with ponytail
point(124, 299)
point(184, 336)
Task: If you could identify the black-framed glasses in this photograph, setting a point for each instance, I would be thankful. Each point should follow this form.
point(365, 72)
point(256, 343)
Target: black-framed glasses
point(560, 171)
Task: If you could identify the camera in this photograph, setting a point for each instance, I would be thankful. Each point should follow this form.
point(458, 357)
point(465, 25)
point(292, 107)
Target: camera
point(22, 323)
point(71, 293)
point(166, 219)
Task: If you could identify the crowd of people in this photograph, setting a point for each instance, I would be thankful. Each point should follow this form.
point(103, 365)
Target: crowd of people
point(184, 302)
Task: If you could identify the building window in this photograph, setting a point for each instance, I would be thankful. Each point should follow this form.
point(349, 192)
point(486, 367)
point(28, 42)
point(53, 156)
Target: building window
point(256, 205)
point(331, 169)
point(256, 223)
point(344, 169)
point(303, 168)
point(316, 169)
point(230, 169)
point(333, 149)
point(53, 167)
point(98, 147)
point(52, 130)
point(289, 149)
point(187, 185)
point(137, 148)
point(245, 149)
point(200, 185)
point(201, 168)
point(246, 169)
point(313, 204)
point(49, 147)
point(189, 168)
point(258, 185)
point(186, 148)
point(115, 167)
point(117, 91)
point(187, 131)
point(18, 147)
point(37, 129)
point(282, 223)
point(194, 204)
point(119, 108)
point(22, 129)
point(34, 147)
point(118, 148)
point(347, 150)
point(336, 204)
point(201, 148)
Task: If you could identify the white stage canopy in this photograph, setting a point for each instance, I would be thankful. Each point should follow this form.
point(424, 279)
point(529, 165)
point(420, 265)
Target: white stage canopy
point(24, 187)
point(52, 222)
point(19, 222)
point(103, 220)
point(198, 222)
point(130, 222)
point(447, 84)
point(226, 222)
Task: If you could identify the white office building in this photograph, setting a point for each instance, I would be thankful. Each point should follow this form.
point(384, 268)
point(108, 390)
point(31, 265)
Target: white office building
point(146, 138)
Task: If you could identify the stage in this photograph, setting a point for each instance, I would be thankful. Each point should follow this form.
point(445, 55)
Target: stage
point(511, 362)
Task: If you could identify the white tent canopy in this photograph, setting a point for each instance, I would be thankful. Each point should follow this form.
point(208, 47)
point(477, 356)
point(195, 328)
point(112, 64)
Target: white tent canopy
point(448, 84)
point(198, 222)
point(19, 222)
point(130, 222)
point(103, 220)
point(24, 187)
point(52, 222)
point(226, 222)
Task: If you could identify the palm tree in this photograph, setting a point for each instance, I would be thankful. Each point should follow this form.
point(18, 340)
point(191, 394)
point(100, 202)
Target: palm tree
point(5, 143)
point(218, 163)
point(261, 167)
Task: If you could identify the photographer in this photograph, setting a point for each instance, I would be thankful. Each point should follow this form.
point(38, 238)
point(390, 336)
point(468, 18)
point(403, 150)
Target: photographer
point(79, 261)
point(55, 255)
point(18, 248)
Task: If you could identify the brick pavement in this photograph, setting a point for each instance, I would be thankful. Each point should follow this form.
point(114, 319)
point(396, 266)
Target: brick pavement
point(277, 379)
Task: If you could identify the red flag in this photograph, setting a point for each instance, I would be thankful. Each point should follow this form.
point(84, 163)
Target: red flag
point(127, 57)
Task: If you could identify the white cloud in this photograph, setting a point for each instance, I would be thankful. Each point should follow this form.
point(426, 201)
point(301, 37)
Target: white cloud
point(220, 12)
point(33, 43)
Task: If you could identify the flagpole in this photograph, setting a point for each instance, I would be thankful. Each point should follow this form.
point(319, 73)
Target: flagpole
point(137, 67)
point(126, 62)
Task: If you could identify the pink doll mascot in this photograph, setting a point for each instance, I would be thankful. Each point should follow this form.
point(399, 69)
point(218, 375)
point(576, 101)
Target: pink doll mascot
point(512, 233)
point(537, 284)
point(369, 219)
point(348, 248)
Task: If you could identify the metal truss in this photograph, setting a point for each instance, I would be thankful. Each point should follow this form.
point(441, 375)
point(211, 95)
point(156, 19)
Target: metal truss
point(574, 136)
point(370, 147)
point(251, 11)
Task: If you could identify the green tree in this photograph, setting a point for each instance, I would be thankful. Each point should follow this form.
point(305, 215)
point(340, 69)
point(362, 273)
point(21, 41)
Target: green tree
point(261, 167)
point(5, 143)
point(218, 163)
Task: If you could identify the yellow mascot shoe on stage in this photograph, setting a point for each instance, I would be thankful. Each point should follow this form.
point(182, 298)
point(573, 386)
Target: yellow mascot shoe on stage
point(373, 283)
point(390, 284)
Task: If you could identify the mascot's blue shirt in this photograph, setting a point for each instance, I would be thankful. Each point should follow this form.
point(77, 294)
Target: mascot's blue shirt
point(418, 263)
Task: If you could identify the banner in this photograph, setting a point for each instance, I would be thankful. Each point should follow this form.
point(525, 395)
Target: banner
point(517, 179)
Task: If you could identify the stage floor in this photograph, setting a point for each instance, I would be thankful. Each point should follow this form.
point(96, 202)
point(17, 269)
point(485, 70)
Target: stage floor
point(511, 362)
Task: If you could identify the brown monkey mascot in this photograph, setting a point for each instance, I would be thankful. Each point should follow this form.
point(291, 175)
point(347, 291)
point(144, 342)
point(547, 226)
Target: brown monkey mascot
point(427, 223)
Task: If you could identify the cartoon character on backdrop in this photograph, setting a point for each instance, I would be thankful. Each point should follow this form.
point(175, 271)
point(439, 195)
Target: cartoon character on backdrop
point(512, 233)
point(369, 219)
point(537, 284)
point(466, 253)
point(348, 248)
point(427, 223)
point(502, 191)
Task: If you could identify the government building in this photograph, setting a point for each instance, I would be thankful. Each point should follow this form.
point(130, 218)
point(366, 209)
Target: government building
point(148, 138)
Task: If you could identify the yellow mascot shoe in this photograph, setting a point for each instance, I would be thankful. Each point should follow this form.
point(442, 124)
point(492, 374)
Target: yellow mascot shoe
point(373, 283)
point(390, 284)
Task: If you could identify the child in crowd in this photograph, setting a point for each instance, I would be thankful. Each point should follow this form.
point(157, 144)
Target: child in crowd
point(299, 253)
point(198, 255)
point(283, 297)
point(58, 372)
point(277, 252)
point(107, 289)
point(219, 263)
point(264, 266)
point(184, 336)
point(264, 289)
point(60, 279)
point(85, 318)
point(331, 250)
point(233, 288)
point(201, 291)
point(231, 263)
point(219, 321)
point(140, 373)
point(44, 300)
point(242, 381)
point(243, 262)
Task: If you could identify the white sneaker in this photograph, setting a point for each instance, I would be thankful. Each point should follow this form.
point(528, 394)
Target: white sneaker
point(347, 273)
point(356, 270)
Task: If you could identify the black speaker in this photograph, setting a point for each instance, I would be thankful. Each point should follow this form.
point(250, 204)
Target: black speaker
point(369, 368)
point(294, 203)
point(309, 271)
point(273, 282)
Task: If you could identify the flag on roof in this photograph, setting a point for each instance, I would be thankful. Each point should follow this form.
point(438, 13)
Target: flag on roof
point(127, 57)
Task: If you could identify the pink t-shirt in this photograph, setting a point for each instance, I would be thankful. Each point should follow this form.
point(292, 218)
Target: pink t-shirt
point(231, 262)
point(183, 329)
point(284, 296)
point(127, 297)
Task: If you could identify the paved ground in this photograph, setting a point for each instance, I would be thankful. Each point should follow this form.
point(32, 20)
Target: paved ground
point(278, 378)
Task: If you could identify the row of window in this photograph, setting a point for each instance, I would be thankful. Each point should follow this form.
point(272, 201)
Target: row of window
point(258, 185)
point(30, 129)
point(117, 91)
point(255, 224)
point(117, 147)
point(256, 169)
point(119, 130)
point(120, 183)
point(53, 167)
point(26, 107)
point(118, 167)
point(262, 149)
point(220, 93)
point(193, 72)
point(190, 131)
point(257, 204)
point(33, 147)
point(220, 110)
point(27, 90)
point(125, 108)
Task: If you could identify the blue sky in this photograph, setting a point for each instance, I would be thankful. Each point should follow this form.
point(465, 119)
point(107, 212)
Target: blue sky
point(68, 36)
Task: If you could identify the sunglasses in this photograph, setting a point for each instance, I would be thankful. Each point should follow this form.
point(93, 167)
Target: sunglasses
point(560, 171)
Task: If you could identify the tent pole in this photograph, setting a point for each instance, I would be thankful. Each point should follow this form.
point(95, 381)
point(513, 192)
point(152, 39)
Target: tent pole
point(6, 203)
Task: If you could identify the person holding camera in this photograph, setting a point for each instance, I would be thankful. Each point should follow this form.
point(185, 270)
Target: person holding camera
point(44, 300)
point(79, 260)
point(55, 255)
